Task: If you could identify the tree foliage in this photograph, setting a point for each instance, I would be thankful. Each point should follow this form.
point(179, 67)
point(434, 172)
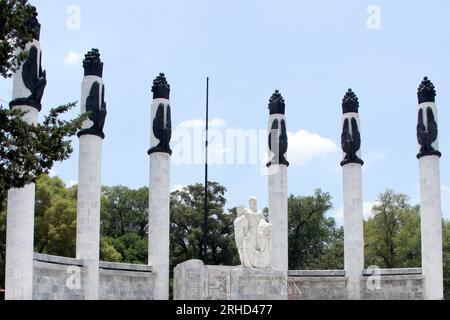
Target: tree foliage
point(28, 150)
point(15, 33)
point(187, 215)
point(392, 234)
point(2, 247)
point(314, 240)
point(446, 233)
point(124, 211)
point(124, 223)
point(55, 217)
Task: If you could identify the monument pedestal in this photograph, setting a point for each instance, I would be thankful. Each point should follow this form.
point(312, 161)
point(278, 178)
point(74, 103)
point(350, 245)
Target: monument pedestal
point(195, 281)
point(258, 284)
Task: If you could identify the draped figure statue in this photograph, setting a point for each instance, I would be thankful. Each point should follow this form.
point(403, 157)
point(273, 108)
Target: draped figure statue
point(253, 235)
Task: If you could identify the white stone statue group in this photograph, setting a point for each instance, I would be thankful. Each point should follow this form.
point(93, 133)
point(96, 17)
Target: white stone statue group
point(253, 235)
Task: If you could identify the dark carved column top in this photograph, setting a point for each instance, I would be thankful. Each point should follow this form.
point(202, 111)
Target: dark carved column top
point(350, 103)
point(161, 89)
point(277, 104)
point(426, 92)
point(34, 24)
point(92, 64)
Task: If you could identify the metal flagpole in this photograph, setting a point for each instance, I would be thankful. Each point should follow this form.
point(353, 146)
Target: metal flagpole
point(205, 222)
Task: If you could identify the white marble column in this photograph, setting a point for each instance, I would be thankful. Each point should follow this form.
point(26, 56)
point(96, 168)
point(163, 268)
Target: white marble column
point(278, 182)
point(159, 198)
point(28, 87)
point(89, 174)
point(20, 244)
point(353, 228)
point(430, 193)
point(88, 211)
point(352, 196)
point(278, 216)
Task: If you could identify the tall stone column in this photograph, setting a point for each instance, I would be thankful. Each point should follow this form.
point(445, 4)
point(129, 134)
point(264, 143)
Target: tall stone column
point(353, 197)
point(159, 201)
point(28, 89)
point(278, 183)
point(430, 192)
point(89, 171)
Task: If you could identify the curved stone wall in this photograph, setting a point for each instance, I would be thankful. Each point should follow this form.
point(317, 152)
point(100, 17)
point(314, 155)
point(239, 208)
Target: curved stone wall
point(381, 284)
point(59, 278)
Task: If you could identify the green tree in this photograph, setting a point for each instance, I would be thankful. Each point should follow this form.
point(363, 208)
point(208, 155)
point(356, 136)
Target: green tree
point(55, 217)
point(392, 234)
point(124, 211)
point(124, 224)
point(131, 247)
point(187, 215)
point(332, 257)
point(28, 151)
point(108, 251)
point(407, 241)
point(2, 247)
point(221, 240)
point(446, 234)
point(314, 241)
point(15, 33)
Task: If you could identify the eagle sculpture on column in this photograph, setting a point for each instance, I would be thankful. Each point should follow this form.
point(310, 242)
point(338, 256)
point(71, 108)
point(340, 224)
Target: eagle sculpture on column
point(33, 77)
point(278, 138)
point(162, 122)
point(427, 135)
point(351, 137)
point(351, 141)
point(427, 131)
point(96, 107)
point(281, 143)
point(162, 127)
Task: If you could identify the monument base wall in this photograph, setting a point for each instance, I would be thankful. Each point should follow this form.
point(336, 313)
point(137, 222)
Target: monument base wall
point(58, 278)
point(387, 284)
point(195, 281)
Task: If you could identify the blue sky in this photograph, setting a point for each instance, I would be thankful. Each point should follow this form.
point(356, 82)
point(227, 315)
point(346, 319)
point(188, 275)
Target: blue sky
point(311, 51)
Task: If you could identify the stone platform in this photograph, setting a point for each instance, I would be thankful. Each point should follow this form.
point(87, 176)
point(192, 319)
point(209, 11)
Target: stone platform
point(195, 281)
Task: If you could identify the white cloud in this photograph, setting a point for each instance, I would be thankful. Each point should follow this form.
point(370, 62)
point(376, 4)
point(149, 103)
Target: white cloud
point(201, 123)
point(72, 58)
point(304, 146)
point(445, 189)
